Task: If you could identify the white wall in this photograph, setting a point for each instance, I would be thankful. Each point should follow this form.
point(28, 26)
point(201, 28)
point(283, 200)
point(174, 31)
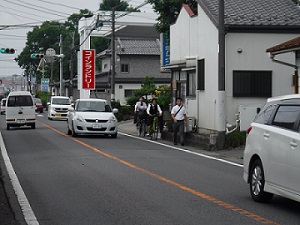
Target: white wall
point(120, 93)
point(254, 57)
point(198, 37)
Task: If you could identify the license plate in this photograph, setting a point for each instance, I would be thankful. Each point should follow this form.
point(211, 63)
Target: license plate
point(58, 115)
point(20, 121)
point(97, 126)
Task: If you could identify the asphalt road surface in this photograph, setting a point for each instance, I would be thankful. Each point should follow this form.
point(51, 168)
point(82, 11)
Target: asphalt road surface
point(93, 180)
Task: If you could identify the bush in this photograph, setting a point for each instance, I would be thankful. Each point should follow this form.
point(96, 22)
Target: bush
point(125, 111)
point(43, 96)
point(235, 139)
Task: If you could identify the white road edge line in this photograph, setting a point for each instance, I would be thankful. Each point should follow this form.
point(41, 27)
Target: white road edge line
point(183, 150)
point(22, 199)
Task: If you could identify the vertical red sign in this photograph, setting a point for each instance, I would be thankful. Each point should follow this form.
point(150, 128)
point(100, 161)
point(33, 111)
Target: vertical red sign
point(88, 69)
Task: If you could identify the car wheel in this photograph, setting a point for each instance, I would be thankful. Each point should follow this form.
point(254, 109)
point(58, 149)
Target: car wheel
point(7, 127)
point(257, 183)
point(33, 126)
point(73, 131)
point(69, 132)
point(114, 135)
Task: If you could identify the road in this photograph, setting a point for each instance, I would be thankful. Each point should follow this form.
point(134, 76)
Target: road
point(97, 180)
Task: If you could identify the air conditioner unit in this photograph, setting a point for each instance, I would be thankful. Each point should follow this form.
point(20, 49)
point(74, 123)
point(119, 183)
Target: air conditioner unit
point(247, 115)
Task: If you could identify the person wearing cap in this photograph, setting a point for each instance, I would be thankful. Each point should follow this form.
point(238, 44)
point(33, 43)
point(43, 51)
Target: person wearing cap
point(178, 114)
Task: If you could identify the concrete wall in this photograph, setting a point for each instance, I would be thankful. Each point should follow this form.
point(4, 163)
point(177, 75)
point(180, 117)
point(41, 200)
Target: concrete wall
point(194, 38)
point(254, 57)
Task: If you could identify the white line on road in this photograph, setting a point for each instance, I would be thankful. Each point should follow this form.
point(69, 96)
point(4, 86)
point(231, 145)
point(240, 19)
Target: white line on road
point(22, 199)
point(183, 150)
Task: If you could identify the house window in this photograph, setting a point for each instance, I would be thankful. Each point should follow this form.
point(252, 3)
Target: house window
point(252, 83)
point(124, 68)
point(128, 93)
point(191, 83)
point(201, 75)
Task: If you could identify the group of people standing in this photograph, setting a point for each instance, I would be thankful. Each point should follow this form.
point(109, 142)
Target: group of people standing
point(147, 112)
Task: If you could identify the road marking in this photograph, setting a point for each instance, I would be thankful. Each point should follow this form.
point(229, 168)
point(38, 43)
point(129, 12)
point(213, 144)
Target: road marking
point(22, 199)
point(241, 211)
point(183, 150)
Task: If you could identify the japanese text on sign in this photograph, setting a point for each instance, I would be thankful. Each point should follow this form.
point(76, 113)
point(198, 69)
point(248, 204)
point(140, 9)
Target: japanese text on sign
point(88, 69)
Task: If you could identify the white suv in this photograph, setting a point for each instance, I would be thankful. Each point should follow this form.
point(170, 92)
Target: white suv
point(272, 153)
point(58, 107)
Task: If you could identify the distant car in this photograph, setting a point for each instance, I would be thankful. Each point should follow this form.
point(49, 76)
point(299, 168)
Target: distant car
point(272, 153)
point(3, 106)
point(38, 105)
point(92, 116)
point(58, 107)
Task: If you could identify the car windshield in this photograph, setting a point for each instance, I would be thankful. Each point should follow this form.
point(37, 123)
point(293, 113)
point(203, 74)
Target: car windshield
point(37, 100)
point(92, 106)
point(19, 101)
point(61, 101)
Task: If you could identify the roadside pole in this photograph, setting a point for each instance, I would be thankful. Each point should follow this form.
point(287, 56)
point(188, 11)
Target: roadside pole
point(113, 52)
point(61, 66)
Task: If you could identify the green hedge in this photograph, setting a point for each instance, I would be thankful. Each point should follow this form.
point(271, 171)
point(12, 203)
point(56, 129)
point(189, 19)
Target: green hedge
point(235, 139)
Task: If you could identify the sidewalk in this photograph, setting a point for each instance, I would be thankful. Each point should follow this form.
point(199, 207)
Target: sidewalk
point(232, 155)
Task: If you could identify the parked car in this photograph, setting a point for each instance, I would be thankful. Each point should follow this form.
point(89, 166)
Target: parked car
point(3, 106)
point(20, 110)
point(92, 116)
point(38, 105)
point(58, 107)
point(272, 153)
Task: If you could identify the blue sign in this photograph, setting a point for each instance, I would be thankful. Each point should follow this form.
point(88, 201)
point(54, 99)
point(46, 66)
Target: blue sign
point(45, 84)
point(165, 52)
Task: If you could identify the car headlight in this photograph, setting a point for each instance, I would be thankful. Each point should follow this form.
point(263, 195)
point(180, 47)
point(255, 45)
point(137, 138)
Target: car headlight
point(112, 119)
point(79, 118)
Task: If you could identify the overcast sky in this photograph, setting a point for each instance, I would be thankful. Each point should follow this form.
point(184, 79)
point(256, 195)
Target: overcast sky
point(17, 12)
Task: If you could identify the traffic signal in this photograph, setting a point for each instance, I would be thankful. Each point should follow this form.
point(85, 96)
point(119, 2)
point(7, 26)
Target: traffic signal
point(37, 56)
point(8, 50)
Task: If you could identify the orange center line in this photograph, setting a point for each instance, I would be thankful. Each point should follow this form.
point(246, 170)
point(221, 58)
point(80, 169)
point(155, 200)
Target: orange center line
point(223, 204)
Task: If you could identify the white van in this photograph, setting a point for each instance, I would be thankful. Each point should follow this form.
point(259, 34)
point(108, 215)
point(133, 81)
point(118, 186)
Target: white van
point(58, 107)
point(20, 110)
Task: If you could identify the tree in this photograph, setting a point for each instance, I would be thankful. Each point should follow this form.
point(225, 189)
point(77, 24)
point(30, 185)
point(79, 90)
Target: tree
point(119, 5)
point(47, 36)
point(162, 93)
point(168, 11)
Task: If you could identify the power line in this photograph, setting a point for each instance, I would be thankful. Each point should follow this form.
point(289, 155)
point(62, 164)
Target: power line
point(41, 7)
point(12, 35)
point(11, 13)
point(6, 7)
point(56, 4)
point(56, 14)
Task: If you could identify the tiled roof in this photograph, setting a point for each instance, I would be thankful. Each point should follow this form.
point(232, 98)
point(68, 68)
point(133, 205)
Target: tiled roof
point(138, 47)
point(291, 44)
point(254, 12)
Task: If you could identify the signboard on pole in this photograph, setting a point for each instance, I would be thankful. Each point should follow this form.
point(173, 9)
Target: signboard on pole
point(165, 50)
point(45, 84)
point(88, 69)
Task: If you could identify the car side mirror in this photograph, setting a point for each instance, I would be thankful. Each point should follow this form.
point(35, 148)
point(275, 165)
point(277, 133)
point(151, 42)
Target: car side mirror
point(71, 110)
point(115, 111)
point(48, 103)
point(73, 105)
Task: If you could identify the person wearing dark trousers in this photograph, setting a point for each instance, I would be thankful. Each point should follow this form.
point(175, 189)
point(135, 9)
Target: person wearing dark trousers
point(178, 114)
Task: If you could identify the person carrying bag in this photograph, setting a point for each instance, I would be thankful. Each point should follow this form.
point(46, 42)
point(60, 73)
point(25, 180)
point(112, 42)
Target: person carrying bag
point(178, 114)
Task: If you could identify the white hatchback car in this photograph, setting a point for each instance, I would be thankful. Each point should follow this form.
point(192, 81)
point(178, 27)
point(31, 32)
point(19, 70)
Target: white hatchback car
point(58, 107)
point(272, 153)
point(92, 116)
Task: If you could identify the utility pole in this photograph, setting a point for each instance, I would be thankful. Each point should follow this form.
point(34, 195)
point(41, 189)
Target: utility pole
point(221, 106)
point(61, 66)
point(72, 64)
point(113, 52)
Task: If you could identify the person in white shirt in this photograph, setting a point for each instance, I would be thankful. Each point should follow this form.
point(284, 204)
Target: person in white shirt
point(140, 109)
point(178, 114)
point(153, 110)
